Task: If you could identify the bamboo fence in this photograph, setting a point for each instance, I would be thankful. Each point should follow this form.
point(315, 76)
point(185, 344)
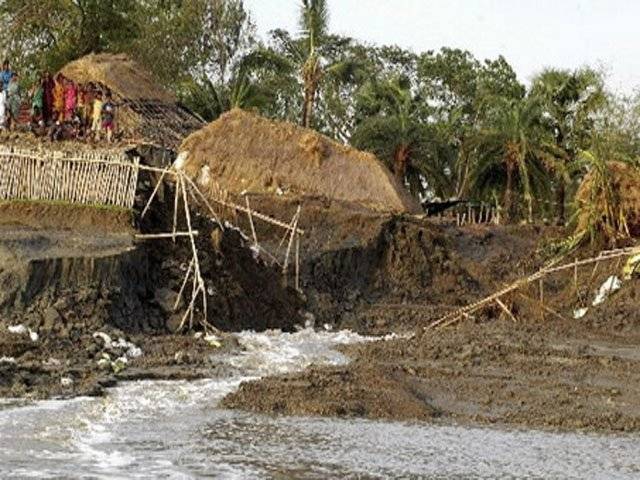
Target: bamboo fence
point(86, 178)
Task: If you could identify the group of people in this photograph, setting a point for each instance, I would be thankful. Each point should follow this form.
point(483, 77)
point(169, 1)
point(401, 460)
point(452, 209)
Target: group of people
point(59, 107)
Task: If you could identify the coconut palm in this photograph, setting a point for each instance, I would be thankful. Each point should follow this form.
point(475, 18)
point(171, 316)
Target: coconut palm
point(315, 54)
point(515, 151)
point(393, 126)
point(246, 88)
point(569, 100)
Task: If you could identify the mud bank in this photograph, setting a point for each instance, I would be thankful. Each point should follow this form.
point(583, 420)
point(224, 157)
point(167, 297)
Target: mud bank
point(63, 289)
point(546, 370)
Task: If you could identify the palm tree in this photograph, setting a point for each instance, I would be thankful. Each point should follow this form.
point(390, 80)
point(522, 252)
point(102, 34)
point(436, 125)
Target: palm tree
point(569, 100)
point(246, 88)
point(394, 128)
point(316, 54)
point(514, 151)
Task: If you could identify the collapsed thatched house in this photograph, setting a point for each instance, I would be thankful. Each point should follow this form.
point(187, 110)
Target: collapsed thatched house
point(244, 152)
point(147, 113)
point(608, 202)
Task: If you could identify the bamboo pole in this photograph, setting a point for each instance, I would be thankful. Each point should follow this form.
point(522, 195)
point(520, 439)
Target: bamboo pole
point(153, 194)
point(298, 262)
point(253, 228)
point(544, 272)
point(294, 228)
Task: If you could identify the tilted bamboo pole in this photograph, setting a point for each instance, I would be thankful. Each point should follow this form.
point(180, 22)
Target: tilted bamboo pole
point(465, 312)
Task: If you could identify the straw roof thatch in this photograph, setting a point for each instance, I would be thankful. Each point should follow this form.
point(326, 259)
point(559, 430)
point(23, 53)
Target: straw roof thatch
point(120, 74)
point(245, 152)
point(147, 112)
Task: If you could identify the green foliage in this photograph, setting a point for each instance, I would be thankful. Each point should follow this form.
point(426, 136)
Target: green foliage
point(448, 124)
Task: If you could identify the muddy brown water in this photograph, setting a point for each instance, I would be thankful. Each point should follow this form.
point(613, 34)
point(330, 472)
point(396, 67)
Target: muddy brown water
point(177, 430)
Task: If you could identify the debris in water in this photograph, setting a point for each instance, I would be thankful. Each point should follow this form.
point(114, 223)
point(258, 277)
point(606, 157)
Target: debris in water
point(613, 284)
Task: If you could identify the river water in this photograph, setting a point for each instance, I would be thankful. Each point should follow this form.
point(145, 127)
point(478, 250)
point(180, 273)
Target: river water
point(174, 430)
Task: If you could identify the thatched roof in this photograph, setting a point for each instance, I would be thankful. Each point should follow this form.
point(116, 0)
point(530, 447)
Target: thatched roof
point(120, 74)
point(147, 112)
point(246, 152)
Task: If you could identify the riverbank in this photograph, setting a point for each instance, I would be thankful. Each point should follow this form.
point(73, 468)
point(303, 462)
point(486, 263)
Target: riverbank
point(540, 369)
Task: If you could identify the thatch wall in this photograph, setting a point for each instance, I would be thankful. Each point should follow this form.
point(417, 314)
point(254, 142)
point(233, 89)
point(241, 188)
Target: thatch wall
point(245, 152)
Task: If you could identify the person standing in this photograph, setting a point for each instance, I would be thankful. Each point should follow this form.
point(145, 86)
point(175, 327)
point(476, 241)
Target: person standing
point(70, 100)
point(13, 101)
point(37, 102)
point(3, 107)
point(108, 116)
point(5, 75)
point(96, 115)
point(58, 99)
point(47, 87)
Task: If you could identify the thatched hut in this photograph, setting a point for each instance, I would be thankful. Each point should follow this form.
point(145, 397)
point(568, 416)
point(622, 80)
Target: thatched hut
point(147, 113)
point(248, 153)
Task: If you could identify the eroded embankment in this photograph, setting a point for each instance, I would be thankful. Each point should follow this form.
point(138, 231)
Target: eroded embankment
point(63, 289)
point(544, 370)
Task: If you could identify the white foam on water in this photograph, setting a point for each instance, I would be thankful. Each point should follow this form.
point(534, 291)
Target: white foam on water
point(174, 430)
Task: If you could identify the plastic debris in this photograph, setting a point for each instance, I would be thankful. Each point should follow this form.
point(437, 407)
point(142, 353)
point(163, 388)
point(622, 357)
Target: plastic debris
point(105, 338)
point(613, 284)
point(213, 341)
point(631, 267)
point(131, 349)
point(17, 329)
point(33, 336)
point(7, 360)
point(580, 313)
point(66, 382)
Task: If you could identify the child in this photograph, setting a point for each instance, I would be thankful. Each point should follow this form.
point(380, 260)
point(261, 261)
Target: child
point(108, 117)
point(13, 101)
point(96, 115)
point(37, 102)
point(70, 100)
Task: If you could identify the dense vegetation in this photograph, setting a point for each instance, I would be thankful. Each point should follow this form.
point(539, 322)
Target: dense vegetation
point(446, 123)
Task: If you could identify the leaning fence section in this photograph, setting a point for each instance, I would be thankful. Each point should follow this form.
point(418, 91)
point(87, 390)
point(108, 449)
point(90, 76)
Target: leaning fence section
point(88, 178)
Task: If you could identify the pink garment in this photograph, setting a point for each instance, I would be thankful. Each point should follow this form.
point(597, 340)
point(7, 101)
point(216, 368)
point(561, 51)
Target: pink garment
point(70, 101)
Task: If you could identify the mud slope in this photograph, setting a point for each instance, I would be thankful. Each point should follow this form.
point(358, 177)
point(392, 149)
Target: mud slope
point(546, 370)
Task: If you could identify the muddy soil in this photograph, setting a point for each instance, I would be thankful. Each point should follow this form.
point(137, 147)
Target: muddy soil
point(60, 217)
point(61, 286)
point(545, 370)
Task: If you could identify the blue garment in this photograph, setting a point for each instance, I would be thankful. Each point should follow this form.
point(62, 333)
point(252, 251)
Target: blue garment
point(5, 77)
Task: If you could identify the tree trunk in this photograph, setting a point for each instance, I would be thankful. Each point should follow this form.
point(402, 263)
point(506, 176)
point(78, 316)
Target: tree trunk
point(309, 103)
point(508, 195)
point(561, 193)
point(400, 162)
